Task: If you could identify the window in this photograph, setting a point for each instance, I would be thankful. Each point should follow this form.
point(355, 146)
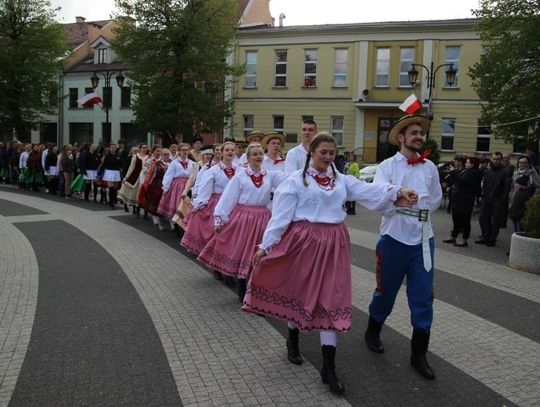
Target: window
point(306, 117)
point(448, 131)
point(452, 57)
point(520, 142)
point(337, 129)
point(383, 67)
point(291, 138)
point(484, 136)
point(248, 120)
point(102, 56)
point(73, 96)
point(406, 61)
point(86, 92)
point(278, 124)
point(81, 133)
point(251, 69)
point(280, 79)
point(107, 96)
point(340, 67)
point(310, 68)
point(126, 97)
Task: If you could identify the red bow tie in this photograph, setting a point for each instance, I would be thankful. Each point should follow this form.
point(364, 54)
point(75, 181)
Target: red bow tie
point(184, 164)
point(421, 159)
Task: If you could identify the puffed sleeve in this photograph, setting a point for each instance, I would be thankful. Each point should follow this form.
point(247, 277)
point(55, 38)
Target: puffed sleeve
point(382, 175)
point(205, 187)
point(277, 177)
point(433, 200)
point(283, 209)
point(374, 196)
point(168, 177)
point(227, 201)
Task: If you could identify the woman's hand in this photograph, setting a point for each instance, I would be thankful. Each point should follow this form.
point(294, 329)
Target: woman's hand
point(259, 254)
point(217, 228)
point(407, 197)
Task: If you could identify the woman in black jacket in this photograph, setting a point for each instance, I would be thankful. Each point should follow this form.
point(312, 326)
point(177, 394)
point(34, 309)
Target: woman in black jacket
point(89, 164)
point(112, 166)
point(466, 184)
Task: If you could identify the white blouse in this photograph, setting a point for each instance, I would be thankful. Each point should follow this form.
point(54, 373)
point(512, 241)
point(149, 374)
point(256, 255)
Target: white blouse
point(293, 201)
point(424, 179)
point(23, 159)
point(295, 159)
point(198, 180)
point(273, 165)
point(214, 181)
point(241, 190)
point(175, 170)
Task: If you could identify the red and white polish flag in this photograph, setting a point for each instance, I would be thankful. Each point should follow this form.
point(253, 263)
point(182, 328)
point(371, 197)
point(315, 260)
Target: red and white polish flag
point(89, 100)
point(411, 105)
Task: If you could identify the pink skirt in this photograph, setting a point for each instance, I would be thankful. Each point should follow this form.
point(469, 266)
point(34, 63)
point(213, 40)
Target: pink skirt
point(231, 250)
point(306, 278)
point(200, 226)
point(171, 199)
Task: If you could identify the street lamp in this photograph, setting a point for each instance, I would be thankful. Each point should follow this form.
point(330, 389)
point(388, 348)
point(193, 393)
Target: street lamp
point(107, 75)
point(431, 72)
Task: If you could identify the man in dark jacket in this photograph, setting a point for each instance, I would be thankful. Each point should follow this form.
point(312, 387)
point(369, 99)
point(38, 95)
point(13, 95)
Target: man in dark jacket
point(495, 191)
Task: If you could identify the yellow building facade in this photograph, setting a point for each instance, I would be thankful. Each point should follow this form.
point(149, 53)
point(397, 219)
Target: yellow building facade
point(351, 79)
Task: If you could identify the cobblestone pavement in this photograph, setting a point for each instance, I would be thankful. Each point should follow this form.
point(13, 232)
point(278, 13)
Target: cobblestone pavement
point(99, 308)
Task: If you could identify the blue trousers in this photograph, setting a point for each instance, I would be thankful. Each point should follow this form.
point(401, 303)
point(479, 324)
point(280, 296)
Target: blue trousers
point(396, 260)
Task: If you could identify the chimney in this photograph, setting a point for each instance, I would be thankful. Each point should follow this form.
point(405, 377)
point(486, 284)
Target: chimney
point(80, 19)
point(281, 18)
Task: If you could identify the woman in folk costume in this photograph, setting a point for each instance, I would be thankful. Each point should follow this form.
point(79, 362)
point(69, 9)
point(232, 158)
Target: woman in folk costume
point(204, 165)
point(201, 220)
point(301, 270)
point(24, 177)
point(240, 218)
point(273, 161)
point(154, 191)
point(112, 173)
point(51, 168)
point(144, 179)
point(35, 168)
point(174, 182)
point(129, 191)
point(89, 164)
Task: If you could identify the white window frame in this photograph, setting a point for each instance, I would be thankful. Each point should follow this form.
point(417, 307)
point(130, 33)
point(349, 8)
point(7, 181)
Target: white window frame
point(102, 54)
point(448, 134)
point(337, 132)
point(280, 130)
point(310, 78)
point(342, 76)
point(454, 61)
point(379, 70)
point(479, 136)
point(250, 78)
point(280, 63)
point(405, 64)
point(246, 123)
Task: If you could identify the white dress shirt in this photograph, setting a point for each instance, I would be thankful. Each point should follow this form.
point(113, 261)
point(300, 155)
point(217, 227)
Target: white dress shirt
point(214, 181)
point(424, 179)
point(198, 180)
point(23, 159)
point(273, 165)
point(293, 201)
point(295, 159)
point(241, 190)
point(175, 170)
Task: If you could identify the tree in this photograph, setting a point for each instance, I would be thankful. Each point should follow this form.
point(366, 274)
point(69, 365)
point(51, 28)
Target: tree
point(508, 74)
point(32, 47)
point(176, 51)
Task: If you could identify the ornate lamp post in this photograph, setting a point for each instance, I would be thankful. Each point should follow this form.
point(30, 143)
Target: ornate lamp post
point(107, 75)
point(431, 72)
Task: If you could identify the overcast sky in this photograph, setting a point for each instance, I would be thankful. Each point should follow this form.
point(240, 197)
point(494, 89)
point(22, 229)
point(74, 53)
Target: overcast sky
point(305, 12)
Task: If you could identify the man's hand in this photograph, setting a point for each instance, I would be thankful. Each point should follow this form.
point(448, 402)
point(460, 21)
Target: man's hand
point(259, 254)
point(217, 228)
point(408, 197)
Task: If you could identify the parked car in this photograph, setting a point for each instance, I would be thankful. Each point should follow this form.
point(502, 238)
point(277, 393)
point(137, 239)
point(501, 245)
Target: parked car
point(367, 173)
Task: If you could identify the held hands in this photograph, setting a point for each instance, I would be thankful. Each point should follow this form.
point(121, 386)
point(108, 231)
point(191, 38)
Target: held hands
point(217, 228)
point(259, 254)
point(407, 198)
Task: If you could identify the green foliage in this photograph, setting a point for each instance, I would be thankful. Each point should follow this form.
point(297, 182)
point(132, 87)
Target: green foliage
point(32, 47)
point(531, 220)
point(433, 147)
point(176, 51)
point(508, 74)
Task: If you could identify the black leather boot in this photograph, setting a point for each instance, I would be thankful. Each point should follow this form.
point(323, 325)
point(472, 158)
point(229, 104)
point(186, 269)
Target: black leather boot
point(242, 285)
point(95, 190)
point(112, 198)
point(419, 347)
point(328, 372)
point(218, 275)
point(87, 188)
point(373, 336)
point(293, 349)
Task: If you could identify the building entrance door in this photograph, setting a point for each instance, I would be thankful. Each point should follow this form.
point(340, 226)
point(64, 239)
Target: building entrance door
point(384, 148)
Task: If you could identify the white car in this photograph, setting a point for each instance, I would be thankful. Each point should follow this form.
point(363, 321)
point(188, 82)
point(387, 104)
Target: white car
point(368, 172)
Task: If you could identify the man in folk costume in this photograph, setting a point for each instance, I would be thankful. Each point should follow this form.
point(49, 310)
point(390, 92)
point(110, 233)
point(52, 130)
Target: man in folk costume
point(296, 156)
point(255, 137)
point(406, 246)
point(271, 143)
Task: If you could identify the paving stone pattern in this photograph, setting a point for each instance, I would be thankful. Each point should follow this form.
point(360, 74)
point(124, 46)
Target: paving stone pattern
point(218, 355)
